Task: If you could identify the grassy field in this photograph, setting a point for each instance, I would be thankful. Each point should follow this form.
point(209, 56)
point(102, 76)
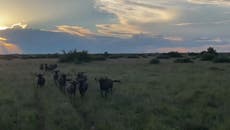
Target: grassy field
point(166, 96)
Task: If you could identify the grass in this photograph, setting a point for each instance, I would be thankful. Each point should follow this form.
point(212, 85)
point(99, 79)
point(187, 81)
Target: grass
point(169, 96)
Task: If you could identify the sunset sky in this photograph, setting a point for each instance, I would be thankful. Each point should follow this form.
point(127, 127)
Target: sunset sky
point(117, 26)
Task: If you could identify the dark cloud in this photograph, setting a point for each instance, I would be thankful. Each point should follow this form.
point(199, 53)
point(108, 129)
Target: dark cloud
point(39, 41)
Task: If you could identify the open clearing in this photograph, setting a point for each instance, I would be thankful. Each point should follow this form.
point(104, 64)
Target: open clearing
point(166, 96)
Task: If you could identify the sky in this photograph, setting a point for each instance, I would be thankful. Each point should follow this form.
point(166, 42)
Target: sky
point(116, 26)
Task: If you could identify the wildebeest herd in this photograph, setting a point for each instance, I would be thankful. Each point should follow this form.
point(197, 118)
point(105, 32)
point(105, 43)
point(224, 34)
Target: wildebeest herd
point(70, 84)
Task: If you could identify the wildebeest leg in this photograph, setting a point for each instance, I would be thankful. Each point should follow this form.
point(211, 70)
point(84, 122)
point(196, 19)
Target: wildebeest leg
point(74, 94)
point(111, 91)
point(81, 93)
point(102, 93)
point(106, 93)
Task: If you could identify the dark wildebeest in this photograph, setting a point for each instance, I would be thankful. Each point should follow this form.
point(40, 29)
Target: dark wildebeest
point(82, 83)
point(106, 85)
point(83, 87)
point(41, 67)
point(70, 88)
point(56, 77)
point(46, 67)
point(50, 67)
point(63, 82)
point(41, 80)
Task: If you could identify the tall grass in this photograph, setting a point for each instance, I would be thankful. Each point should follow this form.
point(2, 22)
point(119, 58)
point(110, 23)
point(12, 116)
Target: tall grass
point(168, 96)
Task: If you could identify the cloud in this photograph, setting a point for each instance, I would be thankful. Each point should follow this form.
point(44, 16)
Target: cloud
point(131, 14)
point(111, 30)
point(211, 2)
point(130, 11)
point(75, 30)
point(174, 39)
point(169, 49)
point(219, 22)
point(211, 40)
point(118, 30)
point(184, 24)
point(14, 26)
point(8, 48)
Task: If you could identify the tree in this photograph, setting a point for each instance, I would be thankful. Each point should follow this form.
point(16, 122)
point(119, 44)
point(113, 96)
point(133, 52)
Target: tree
point(211, 50)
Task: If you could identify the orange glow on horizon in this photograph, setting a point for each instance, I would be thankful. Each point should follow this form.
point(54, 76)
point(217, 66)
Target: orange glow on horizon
point(8, 48)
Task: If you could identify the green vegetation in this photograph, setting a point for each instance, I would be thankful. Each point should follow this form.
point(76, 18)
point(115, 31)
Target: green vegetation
point(209, 55)
point(221, 59)
point(75, 57)
point(154, 61)
point(163, 56)
point(174, 54)
point(168, 96)
point(183, 60)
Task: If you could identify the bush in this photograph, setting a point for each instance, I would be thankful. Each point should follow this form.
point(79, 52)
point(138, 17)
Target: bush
point(163, 56)
point(75, 56)
point(133, 56)
point(184, 60)
point(154, 61)
point(106, 54)
point(208, 55)
point(115, 56)
point(221, 59)
point(174, 54)
point(98, 58)
point(193, 54)
point(169, 55)
point(211, 51)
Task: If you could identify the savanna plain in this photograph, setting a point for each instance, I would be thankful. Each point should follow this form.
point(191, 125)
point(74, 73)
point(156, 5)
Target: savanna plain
point(165, 96)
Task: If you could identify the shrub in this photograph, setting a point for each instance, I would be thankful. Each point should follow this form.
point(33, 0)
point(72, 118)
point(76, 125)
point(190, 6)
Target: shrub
point(98, 58)
point(163, 56)
point(208, 55)
point(133, 56)
point(211, 51)
point(221, 59)
point(144, 55)
point(115, 56)
point(169, 55)
point(174, 54)
point(75, 56)
point(193, 54)
point(184, 60)
point(106, 54)
point(154, 61)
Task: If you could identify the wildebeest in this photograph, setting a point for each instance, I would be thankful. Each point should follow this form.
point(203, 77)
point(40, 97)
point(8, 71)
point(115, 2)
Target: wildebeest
point(70, 88)
point(106, 85)
point(62, 81)
point(56, 77)
point(41, 80)
point(50, 67)
point(83, 87)
point(46, 67)
point(81, 76)
point(41, 66)
point(82, 83)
